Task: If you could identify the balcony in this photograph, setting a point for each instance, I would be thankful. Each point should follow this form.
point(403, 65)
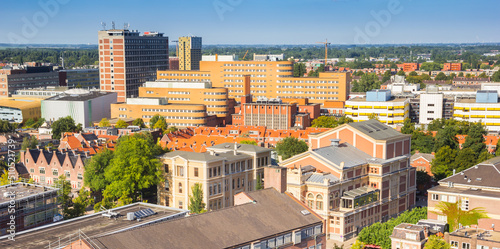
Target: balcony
point(359, 197)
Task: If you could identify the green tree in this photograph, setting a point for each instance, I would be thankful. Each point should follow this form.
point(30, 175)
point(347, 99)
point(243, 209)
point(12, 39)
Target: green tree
point(80, 203)
point(401, 73)
point(172, 129)
point(443, 163)
point(121, 124)
point(358, 245)
point(431, 66)
point(29, 142)
point(4, 180)
point(139, 122)
point(484, 66)
point(330, 121)
point(104, 123)
point(66, 124)
point(153, 120)
point(497, 146)
point(387, 76)
point(446, 137)
point(299, 69)
point(461, 74)
point(134, 168)
point(413, 73)
point(196, 204)
point(259, 184)
point(496, 76)
point(290, 146)
point(465, 159)
point(456, 215)
point(64, 198)
point(368, 81)
point(475, 139)
point(252, 142)
point(373, 116)
point(436, 242)
point(440, 76)
point(94, 174)
point(408, 127)
point(161, 124)
point(485, 155)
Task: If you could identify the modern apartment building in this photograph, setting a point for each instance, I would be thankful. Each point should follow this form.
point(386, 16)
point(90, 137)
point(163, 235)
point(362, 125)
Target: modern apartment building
point(410, 67)
point(408, 236)
point(199, 92)
point(474, 187)
point(26, 206)
point(19, 109)
point(128, 59)
point(179, 115)
point(30, 77)
point(389, 110)
point(353, 176)
point(270, 79)
point(83, 106)
point(189, 53)
point(431, 107)
point(223, 171)
point(484, 108)
point(81, 78)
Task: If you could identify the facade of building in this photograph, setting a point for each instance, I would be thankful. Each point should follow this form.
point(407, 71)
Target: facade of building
point(483, 108)
point(452, 67)
point(31, 77)
point(262, 219)
point(473, 238)
point(410, 67)
point(474, 187)
point(127, 59)
point(19, 109)
point(353, 176)
point(464, 81)
point(173, 63)
point(422, 161)
point(82, 105)
point(407, 235)
point(431, 107)
point(389, 110)
point(42, 92)
point(270, 79)
point(189, 53)
point(26, 206)
point(223, 171)
point(179, 115)
point(46, 166)
point(201, 93)
point(81, 78)
point(268, 57)
point(221, 57)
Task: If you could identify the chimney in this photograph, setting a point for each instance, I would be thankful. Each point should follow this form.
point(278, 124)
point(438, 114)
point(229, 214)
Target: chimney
point(335, 142)
point(235, 148)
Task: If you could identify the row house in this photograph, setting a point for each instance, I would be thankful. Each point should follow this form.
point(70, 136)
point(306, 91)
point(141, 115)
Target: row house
point(87, 142)
point(45, 166)
point(353, 176)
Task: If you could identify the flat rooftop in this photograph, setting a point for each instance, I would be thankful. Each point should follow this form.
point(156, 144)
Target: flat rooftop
point(78, 95)
point(392, 100)
point(481, 234)
point(92, 225)
point(22, 191)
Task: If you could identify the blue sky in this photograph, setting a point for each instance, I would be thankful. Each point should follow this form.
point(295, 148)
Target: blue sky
point(257, 21)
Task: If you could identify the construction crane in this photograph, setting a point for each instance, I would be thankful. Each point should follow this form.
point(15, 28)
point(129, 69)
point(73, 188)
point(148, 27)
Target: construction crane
point(326, 49)
point(176, 48)
point(245, 55)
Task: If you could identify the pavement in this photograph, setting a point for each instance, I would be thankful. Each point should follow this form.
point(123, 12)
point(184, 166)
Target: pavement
point(347, 244)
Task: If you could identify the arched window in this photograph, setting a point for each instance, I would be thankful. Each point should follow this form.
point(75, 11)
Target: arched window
point(310, 200)
point(180, 188)
point(319, 202)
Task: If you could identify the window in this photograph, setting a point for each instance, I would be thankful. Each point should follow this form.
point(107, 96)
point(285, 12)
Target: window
point(444, 198)
point(42, 170)
point(411, 236)
point(310, 200)
point(465, 245)
point(482, 247)
point(180, 204)
point(180, 171)
point(55, 172)
point(435, 197)
point(465, 203)
point(452, 199)
point(196, 172)
point(442, 218)
point(454, 244)
point(180, 188)
point(68, 175)
point(79, 176)
point(319, 202)
point(32, 170)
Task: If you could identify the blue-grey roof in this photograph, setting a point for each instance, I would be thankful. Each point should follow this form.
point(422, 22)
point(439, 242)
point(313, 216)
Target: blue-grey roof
point(320, 178)
point(376, 130)
point(344, 152)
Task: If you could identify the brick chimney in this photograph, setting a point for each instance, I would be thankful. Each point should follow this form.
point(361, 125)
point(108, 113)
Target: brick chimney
point(275, 176)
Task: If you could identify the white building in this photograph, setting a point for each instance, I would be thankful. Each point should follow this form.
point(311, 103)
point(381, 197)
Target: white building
point(484, 108)
point(389, 110)
point(231, 57)
point(431, 107)
point(82, 105)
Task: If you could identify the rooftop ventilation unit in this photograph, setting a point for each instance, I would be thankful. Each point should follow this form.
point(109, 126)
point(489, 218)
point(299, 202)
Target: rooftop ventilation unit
point(305, 212)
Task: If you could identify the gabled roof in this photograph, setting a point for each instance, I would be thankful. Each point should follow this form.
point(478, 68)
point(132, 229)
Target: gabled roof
point(320, 178)
point(426, 156)
point(376, 130)
point(272, 213)
point(240, 147)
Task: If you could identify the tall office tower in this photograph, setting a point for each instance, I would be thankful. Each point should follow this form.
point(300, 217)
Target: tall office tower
point(189, 53)
point(127, 60)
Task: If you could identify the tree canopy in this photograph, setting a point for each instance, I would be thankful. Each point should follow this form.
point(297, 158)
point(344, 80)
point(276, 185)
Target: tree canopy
point(330, 121)
point(252, 142)
point(104, 123)
point(290, 146)
point(66, 124)
point(368, 81)
point(196, 204)
point(121, 124)
point(139, 122)
point(436, 242)
point(456, 215)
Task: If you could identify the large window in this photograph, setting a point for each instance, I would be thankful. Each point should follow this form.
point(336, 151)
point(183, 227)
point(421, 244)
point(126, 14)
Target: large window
point(319, 202)
point(435, 197)
point(180, 188)
point(465, 245)
point(180, 171)
point(196, 172)
point(310, 200)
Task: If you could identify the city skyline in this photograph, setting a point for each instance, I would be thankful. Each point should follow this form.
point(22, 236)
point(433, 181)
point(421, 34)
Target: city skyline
point(257, 22)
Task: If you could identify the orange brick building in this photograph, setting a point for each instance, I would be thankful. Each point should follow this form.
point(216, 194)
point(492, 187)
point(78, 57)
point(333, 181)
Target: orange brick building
point(127, 59)
point(410, 67)
point(270, 79)
point(452, 67)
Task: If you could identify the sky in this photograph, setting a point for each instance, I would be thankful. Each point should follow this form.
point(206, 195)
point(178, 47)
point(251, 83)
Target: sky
point(256, 21)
